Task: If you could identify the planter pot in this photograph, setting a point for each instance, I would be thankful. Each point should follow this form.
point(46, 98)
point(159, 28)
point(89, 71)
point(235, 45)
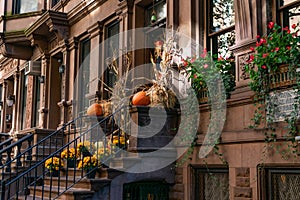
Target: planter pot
point(71, 163)
point(54, 173)
point(153, 126)
point(91, 174)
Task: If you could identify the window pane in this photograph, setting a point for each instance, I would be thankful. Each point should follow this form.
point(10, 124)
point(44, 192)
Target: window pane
point(160, 10)
point(28, 6)
point(85, 69)
point(112, 52)
point(221, 44)
point(212, 184)
point(24, 99)
point(292, 16)
point(222, 14)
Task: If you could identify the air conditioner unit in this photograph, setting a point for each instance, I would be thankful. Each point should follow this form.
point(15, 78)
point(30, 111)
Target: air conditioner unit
point(33, 68)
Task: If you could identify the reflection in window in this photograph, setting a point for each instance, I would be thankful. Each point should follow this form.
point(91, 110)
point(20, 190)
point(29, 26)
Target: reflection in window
point(112, 54)
point(160, 9)
point(289, 12)
point(25, 6)
point(221, 33)
point(222, 14)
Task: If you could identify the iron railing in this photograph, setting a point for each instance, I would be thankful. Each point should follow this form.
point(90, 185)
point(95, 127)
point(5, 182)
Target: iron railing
point(103, 135)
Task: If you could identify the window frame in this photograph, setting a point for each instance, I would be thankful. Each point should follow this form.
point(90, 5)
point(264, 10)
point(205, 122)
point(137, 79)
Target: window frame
point(212, 37)
point(280, 18)
point(265, 176)
point(196, 171)
point(17, 6)
point(110, 78)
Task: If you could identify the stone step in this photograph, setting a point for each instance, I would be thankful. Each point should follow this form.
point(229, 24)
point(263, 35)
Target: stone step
point(82, 183)
point(52, 192)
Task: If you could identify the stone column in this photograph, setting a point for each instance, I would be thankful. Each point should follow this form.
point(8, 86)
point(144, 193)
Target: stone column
point(43, 93)
point(246, 28)
point(64, 103)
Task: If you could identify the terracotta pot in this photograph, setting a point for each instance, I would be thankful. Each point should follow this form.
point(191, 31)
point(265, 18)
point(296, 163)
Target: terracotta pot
point(94, 110)
point(140, 99)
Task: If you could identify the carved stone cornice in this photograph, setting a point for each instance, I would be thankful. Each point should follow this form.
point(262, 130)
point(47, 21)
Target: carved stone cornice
point(50, 23)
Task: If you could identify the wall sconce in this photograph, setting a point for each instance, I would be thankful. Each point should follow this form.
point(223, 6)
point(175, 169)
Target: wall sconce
point(10, 100)
point(1, 105)
point(41, 79)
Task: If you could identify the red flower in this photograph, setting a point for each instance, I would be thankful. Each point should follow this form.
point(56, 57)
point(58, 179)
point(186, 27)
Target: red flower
point(251, 58)
point(264, 67)
point(220, 58)
point(285, 28)
point(204, 54)
point(294, 26)
point(258, 44)
point(185, 63)
point(252, 49)
point(265, 55)
point(271, 25)
point(276, 48)
point(193, 60)
point(258, 36)
point(205, 66)
point(288, 47)
point(288, 31)
point(263, 41)
point(195, 76)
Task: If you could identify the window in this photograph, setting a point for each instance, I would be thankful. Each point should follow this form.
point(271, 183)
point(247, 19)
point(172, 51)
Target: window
point(54, 2)
point(221, 34)
point(36, 105)
point(24, 99)
point(146, 190)
point(111, 51)
point(288, 12)
point(159, 8)
point(280, 183)
point(210, 183)
point(25, 6)
point(84, 78)
point(1, 105)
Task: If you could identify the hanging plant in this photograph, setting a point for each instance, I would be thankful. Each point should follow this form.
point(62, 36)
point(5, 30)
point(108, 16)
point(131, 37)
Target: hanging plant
point(275, 56)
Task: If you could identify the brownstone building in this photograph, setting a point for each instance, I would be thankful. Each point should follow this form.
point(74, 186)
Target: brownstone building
point(45, 43)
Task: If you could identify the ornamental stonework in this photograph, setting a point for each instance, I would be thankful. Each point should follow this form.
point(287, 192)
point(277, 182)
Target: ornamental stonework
point(243, 61)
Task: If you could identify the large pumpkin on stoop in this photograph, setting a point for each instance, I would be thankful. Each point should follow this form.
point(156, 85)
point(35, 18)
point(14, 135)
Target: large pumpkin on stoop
point(95, 110)
point(140, 99)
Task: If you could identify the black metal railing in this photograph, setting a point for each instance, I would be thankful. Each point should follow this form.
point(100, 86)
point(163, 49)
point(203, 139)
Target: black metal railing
point(98, 138)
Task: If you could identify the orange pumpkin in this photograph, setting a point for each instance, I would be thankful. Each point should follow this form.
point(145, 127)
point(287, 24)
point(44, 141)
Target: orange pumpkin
point(140, 99)
point(94, 109)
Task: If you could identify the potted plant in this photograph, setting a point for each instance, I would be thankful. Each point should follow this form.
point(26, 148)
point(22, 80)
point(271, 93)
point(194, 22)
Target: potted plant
point(206, 70)
point(274, 66)
point(54, 164)
point(70, 155)
point(89, 164)
point(85, 148)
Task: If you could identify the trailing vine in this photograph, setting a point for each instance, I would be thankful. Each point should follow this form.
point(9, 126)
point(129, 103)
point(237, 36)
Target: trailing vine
point(275, 56)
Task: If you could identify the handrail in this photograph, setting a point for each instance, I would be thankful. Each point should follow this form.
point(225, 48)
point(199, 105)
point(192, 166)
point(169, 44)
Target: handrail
point(38, 170)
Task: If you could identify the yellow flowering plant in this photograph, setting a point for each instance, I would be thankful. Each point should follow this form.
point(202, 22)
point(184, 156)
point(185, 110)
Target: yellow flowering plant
point(69, 154)
point(54, 163)
point(88, 163)
point(85, 147)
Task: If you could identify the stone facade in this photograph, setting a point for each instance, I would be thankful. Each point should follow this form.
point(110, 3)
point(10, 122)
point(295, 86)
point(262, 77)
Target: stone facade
point(55, 35)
